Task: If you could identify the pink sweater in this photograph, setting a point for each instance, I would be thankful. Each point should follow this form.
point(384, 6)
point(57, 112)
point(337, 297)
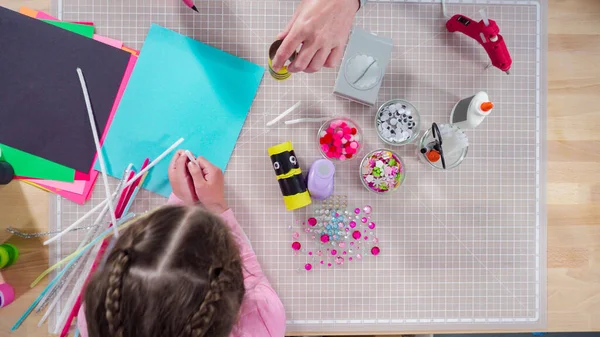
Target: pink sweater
point(262, 313)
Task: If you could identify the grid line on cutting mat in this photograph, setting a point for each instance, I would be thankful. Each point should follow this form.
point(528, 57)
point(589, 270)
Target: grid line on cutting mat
point(462, 249)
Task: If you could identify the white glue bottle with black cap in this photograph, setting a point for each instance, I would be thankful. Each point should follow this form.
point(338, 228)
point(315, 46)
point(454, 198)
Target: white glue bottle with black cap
point(468, 113)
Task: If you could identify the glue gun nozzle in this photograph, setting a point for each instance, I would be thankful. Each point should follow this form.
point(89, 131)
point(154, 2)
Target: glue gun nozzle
point(507, 72)
point(195, 8)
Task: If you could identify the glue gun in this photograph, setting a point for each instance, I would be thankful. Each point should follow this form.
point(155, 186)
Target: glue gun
point(486, 32)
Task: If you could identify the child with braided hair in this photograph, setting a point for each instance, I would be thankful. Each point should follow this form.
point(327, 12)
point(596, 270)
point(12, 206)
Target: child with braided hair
point(183, 270)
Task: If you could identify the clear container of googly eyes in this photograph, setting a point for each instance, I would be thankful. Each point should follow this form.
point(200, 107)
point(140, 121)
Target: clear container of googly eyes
point(397, 122)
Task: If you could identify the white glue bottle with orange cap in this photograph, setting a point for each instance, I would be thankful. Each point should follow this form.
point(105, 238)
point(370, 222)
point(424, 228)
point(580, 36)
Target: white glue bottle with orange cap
point(468, 113)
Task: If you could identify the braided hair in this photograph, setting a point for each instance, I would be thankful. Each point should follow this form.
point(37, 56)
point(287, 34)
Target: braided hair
point(176, 272)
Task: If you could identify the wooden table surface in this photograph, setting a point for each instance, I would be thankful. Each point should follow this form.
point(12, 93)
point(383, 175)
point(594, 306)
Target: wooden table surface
point(573, 181)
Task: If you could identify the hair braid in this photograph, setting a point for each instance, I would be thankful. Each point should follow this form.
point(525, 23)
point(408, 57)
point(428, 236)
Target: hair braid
point(203, 319)
point(113, 294)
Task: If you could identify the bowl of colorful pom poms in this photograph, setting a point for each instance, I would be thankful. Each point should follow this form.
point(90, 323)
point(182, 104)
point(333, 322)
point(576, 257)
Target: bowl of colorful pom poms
point(397, 122)
point(382, 171)
point(340, 138)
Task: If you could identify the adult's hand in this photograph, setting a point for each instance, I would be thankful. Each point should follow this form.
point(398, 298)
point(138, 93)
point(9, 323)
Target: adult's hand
point(322, 28)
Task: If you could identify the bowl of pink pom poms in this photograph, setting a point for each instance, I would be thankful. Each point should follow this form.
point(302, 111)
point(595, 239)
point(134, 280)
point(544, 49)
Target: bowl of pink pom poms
point(340, 138)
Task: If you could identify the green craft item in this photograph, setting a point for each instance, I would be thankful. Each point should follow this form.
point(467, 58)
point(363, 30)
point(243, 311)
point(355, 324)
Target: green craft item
point(28, 165)
point(83, 30)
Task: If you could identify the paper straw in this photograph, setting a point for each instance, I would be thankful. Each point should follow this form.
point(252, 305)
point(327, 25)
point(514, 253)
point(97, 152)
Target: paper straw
point(68, 258)
point(62, 272)
point(129, 183)
point(191, 158)
point(307, 120)
point(65, 286)
point(285, 113)
point(90, 112)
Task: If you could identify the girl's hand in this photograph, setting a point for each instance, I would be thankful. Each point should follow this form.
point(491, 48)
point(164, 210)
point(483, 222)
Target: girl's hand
point(209, 184)
point(181, 180)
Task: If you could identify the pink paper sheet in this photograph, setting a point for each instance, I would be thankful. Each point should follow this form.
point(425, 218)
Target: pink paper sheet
point(77, 186)
point(75, 197)
point(107, 40)
point(45, 16)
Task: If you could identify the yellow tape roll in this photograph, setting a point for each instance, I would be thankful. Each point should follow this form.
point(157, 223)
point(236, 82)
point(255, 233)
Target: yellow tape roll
point(283, 73)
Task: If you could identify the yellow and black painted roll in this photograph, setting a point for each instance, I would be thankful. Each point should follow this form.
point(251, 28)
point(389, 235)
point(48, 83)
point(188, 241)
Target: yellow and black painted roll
point(289, 175)
point(283, 73)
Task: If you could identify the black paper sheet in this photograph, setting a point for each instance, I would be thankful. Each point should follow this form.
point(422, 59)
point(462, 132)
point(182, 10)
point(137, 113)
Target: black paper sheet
point(42, 109)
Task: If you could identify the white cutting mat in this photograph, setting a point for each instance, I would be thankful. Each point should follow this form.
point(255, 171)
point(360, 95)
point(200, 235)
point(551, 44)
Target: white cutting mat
point(463, 249)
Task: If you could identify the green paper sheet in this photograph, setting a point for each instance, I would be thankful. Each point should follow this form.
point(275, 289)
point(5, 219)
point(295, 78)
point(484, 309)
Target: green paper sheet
point(84, 30)
point(28, 165)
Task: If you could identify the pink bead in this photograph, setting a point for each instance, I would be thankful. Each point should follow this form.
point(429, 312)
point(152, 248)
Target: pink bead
point(329, 265)
point(330, 154)
point(346, 130)
point(336, 136)
point(324, 147)
point(371, 225)
point(296, 235)
point(312, 221)
point(333, 125)
point(324, 238)
point(342, 158)
point(352, 224)
point(363, 220)
point(350, 150)
point(350, 258)
point(356, 235)
point(296, 245)
point(339, 260)
point(322, 262)
point(342, 245)
point(339, 133)
point(347, 136)
point(308, 266)
point(329, 130)
point(337, 142)
point(358, 256)
point(375, 250)
point(354, 145)
point(333, 252)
